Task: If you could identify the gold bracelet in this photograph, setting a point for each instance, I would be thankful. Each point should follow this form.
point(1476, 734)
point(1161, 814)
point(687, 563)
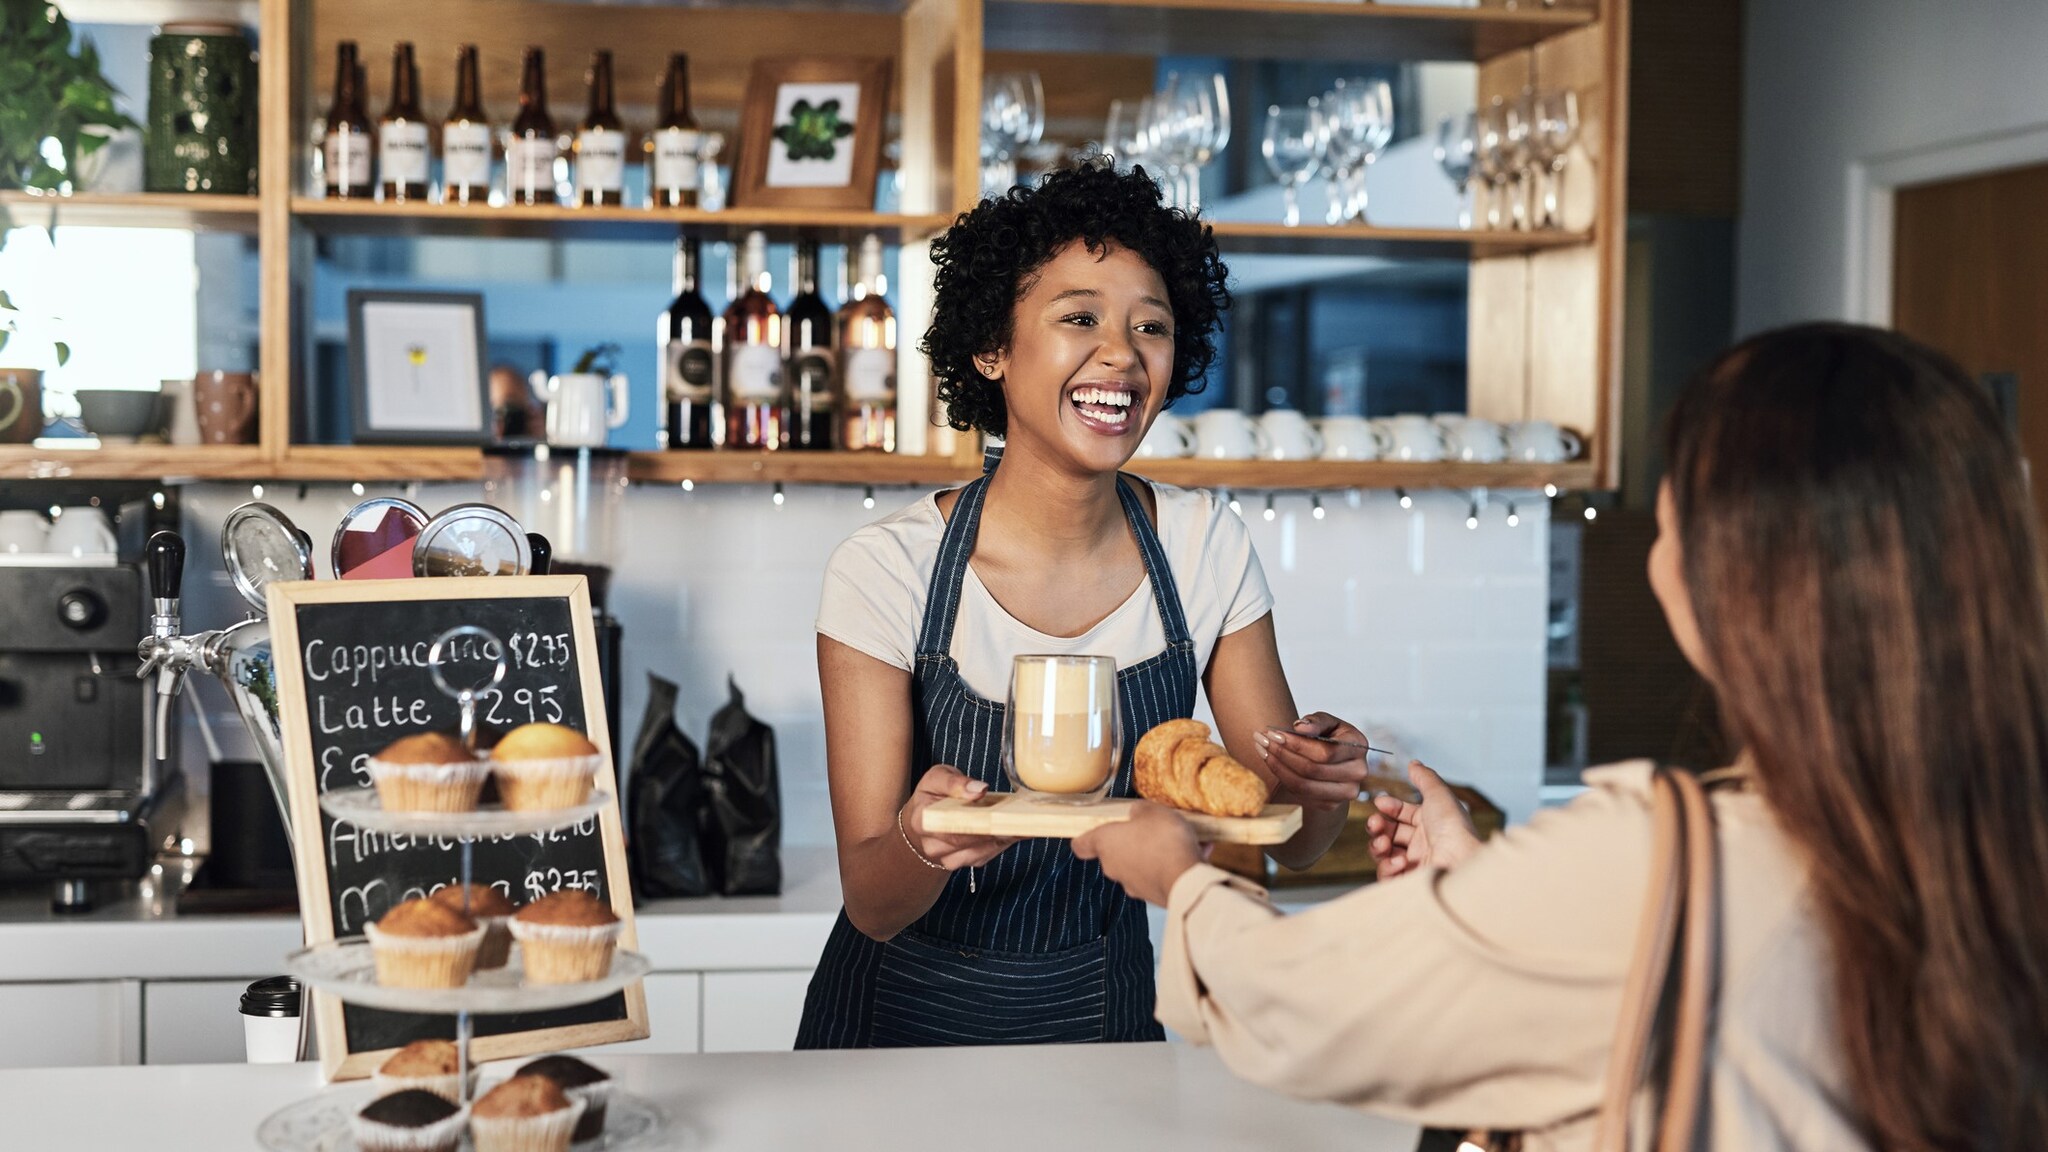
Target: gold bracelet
point(921, 857)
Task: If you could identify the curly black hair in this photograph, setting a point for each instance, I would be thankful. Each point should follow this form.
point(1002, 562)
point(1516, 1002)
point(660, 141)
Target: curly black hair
point(987, 260)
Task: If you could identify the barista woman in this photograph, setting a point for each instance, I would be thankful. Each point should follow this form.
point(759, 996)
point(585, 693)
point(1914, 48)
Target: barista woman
point(1067, 316)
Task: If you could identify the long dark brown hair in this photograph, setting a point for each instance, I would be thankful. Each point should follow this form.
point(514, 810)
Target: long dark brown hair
point(1860, 550)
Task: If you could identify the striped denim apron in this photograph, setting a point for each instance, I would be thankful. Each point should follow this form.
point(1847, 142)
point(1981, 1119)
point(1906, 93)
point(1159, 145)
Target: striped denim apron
point(1039, 947)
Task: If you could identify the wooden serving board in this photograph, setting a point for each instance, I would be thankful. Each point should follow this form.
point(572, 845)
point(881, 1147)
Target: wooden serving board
point(1007, 814)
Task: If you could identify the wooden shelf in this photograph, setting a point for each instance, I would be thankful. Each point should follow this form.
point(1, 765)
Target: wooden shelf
point(1407, 243)
point(134, 462)
point(1322, 474)
point(1275, 29)
point(700, 467)
point(140, 210)
point(553, 220)
point(377, 462)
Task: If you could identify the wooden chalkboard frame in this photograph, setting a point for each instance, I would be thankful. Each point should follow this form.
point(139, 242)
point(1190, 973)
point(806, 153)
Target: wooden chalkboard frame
point(337, 1062)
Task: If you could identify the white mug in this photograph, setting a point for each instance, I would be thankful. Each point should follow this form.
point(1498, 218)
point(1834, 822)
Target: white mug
point(582, 406)
point(24, 531)
point(1411, 438)
point(1227, 434)
point(1542, 442)
point(81, 531)
point(1472, 440)
point(1289, 436)
point(1169, 438)
point(1351, 438)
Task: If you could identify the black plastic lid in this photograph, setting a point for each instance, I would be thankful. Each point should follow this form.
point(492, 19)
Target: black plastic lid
point(272, 996)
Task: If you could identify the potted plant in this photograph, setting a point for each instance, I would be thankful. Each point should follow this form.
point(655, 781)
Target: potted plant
point(49, 91)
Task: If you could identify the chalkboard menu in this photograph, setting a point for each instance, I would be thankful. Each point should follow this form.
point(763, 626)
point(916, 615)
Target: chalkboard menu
point(353, 675)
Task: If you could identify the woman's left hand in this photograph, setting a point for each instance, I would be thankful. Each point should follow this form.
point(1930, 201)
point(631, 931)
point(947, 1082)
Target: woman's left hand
point(1146, 853)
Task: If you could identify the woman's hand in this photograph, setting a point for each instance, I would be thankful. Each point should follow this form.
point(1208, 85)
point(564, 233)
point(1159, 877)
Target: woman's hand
point(1145, 853)
point(956, 851)
point(1312, 773)
point(1436, 833)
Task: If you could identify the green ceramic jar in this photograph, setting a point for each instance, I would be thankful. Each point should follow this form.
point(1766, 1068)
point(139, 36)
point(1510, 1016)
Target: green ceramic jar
point(202, 111)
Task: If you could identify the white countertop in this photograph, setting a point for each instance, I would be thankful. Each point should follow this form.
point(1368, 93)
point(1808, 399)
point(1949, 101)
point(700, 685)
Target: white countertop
point(1113, 1097)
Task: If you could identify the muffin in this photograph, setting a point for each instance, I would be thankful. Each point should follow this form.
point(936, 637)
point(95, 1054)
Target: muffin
point(488, 907)
point(524, 1114)
point(579, 1081)
point(540, 766)
point(428, 772)
point(424, 944)
point(413, 1120)
point(428, 1065)
point(566, 938)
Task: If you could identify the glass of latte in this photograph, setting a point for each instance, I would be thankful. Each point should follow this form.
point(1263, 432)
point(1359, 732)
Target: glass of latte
point(1063, 739)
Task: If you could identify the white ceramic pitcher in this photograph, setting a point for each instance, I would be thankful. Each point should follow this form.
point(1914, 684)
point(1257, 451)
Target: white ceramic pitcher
point(582, 406)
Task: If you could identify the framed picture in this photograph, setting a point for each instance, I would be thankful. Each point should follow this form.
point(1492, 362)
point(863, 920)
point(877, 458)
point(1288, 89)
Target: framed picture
point(811, 133)
point(416, 368)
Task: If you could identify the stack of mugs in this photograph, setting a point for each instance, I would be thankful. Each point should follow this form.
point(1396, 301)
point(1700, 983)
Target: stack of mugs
point(1284, 434)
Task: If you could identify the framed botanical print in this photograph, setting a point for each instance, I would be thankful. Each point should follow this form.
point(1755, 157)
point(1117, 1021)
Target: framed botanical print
point(416, 368)
point(811, 133)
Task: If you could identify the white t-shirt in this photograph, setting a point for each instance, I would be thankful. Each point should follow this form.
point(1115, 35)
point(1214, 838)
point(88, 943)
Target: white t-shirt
point(879, 579)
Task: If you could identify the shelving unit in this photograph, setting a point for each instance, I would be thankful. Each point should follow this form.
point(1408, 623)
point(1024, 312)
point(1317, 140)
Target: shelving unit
point(1544, 333)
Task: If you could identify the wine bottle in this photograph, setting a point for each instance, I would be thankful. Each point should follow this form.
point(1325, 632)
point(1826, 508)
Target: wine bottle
point(672, 180)
point(752, 398)
point(347, 144)
point(601, 141)
point(688, 355)
point(466, 137)
point(808, 330)
point(867, 359)
point(531, 149)
point(402, 133)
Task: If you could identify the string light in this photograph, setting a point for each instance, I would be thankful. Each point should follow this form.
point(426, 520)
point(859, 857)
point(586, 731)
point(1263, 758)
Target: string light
point(1406, 500)
point(1592, 513)
point(256, 491)
point(356, 488)
point(778, 495)
point(689, 485)
point(1472, 516)
point(1514, 518)
point(157, 499)
point(1269, 507)
point(867, 499)
point(1550, 490)
point(55, 511)
point(1234, 505)
point(1315, 507)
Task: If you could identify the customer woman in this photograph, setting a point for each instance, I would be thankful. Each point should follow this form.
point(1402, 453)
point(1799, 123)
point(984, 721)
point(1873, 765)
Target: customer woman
point(1067, 315)
point(1846, 551)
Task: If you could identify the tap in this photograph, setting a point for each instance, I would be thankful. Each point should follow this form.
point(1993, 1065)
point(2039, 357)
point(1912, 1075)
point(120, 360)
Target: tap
point(164, 651)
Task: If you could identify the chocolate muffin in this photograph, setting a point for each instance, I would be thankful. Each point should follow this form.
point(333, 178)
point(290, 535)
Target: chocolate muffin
point(579, 1081)
point(413, 1120)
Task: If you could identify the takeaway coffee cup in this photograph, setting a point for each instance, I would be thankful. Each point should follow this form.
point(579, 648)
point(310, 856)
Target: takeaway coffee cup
point(270, 1021)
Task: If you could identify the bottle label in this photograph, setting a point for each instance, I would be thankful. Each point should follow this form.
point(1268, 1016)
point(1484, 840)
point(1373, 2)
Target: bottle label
point(465, 154)
point(402, 152)
point(812, 369)
point(871, 375)
point(530, 166)
point(754, 375)
point(675, 159)
point(348, 159)
point(690, 367)
point(600, 160)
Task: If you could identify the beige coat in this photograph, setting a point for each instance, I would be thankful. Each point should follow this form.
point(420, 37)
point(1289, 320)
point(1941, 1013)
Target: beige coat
point(1488, 996)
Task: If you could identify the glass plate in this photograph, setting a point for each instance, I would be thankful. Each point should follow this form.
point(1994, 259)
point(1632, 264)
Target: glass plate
point(360, 807)
point(320, 1124)
point(346, 968)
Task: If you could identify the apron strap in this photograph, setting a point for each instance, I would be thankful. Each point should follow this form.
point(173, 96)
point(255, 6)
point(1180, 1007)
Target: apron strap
point(942, 599)
point(1165, 593)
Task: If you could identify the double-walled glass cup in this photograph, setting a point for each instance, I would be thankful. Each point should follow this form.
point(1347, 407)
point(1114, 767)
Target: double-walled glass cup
point(1062, 736)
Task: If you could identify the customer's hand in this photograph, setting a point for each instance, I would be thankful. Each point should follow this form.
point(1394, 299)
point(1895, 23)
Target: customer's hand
point(1436, 833)
point(1145, 853)
point(953, 852)
point(1310, 772)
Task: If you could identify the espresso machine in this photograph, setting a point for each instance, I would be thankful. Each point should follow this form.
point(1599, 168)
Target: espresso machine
point(83, 798)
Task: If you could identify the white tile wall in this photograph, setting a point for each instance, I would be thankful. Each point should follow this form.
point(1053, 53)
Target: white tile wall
point(1401, 620)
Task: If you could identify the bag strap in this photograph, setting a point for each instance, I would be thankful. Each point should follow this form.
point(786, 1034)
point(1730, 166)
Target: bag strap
point(1683, 896)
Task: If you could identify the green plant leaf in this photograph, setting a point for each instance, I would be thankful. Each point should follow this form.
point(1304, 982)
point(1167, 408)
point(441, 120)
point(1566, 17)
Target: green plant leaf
point(4, 334)
point(7, 302)
point(63, 352)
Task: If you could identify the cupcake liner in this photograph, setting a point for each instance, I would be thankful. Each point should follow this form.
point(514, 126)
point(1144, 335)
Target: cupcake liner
point(497, 945)
point(440, 1136)
point(448, 1086)
point(547, 1132)
point(429, 787)
point(423, 961)
point(534, 785)
point(565, 953)
point(596, 1098)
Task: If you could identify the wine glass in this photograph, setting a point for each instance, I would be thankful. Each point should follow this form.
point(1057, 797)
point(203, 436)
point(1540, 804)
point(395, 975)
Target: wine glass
point(1375, 127)
point(1343, 110)
point(1063, 738)
point(1491, 156)
point(1557, 124)
point(1455, 144)
point(1521, 153)
point(1294, 144)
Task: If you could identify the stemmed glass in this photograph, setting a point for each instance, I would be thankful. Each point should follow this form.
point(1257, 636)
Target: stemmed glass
point(1521, 153)
point(1456, 142)
point(1120, 133)
point(1491, 156)
point(1373, 122)
point(1012, 118)
point(1201, 120)
point(1294, 144)
point(1557, 127)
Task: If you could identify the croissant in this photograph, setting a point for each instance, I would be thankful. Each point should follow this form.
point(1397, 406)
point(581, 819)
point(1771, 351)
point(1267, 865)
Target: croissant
point(1177, 765)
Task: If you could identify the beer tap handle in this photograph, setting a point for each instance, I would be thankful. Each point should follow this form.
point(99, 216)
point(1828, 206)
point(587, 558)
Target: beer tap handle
point(166, 552)
point(543, 554)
